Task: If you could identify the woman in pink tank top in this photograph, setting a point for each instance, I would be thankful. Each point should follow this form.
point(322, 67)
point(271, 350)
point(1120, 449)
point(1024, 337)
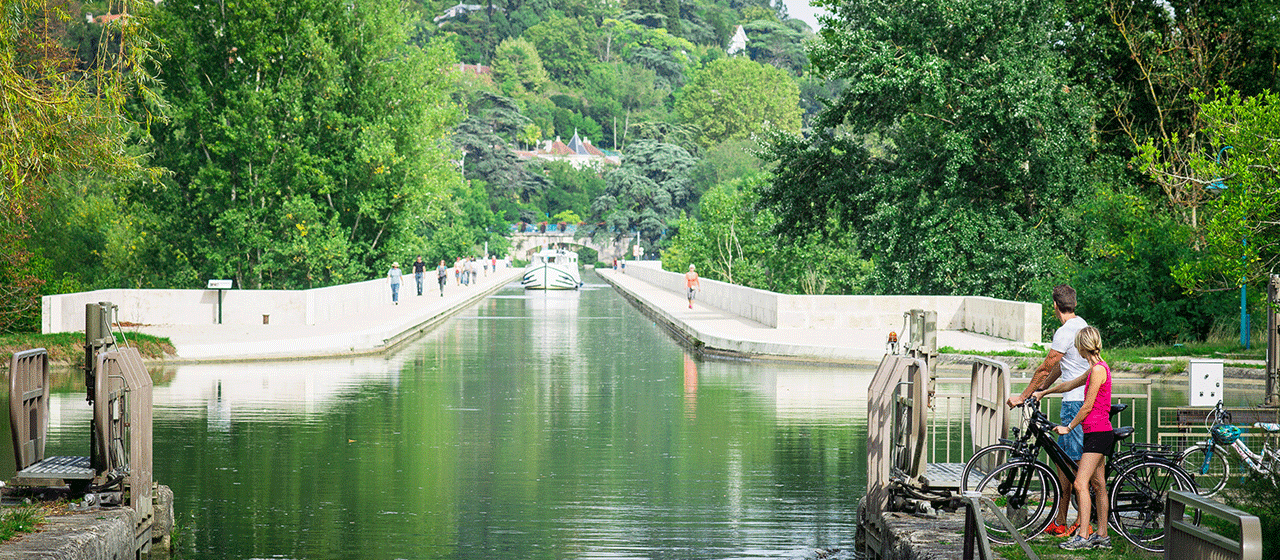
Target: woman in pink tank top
point(1094, 417)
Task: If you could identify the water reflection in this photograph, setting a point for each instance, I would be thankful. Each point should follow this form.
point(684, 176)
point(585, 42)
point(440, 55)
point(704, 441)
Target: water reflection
point(534, 425)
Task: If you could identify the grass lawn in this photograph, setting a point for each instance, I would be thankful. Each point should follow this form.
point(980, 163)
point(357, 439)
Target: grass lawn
point(17, 520)
point(68, 348)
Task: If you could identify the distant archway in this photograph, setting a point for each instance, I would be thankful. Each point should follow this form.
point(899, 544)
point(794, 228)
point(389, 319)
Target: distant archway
point(525, 244)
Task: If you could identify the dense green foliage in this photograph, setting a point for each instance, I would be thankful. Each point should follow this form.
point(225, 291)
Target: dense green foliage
point(646, 193)
point(732, 242)
point(992, 148)
point(62, 116)
point(303, 139)
point(734, 98)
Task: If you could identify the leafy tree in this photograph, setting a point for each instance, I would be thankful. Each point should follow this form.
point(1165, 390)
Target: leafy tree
point(305, 140)
point(645, 193)
point(565, 45)
point(1122, 275)
point(621, 93)
point(621, 37)
point(777, 44)
point(518, 68)
point(726, 161)
point(1238, 238)
point(737, 97)
point(569, 189)
point(983, 144)
point(732, 240)
point(729, 242)
point(60, 115)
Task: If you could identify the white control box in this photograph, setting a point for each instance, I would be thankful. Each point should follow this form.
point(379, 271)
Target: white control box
point(1205, 384)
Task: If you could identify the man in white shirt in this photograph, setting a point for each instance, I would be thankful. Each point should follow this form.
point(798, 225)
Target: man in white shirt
point(1063, 362)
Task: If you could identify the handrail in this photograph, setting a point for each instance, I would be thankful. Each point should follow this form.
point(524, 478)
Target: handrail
point(1190, 540)
point(975, 528)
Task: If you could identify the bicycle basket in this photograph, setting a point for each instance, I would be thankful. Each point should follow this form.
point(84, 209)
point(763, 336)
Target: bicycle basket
point(1225, 434)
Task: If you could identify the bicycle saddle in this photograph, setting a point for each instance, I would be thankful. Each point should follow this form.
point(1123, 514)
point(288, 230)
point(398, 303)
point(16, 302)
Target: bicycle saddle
point(1118, 408)
point(1122, 433)
point(1268, 426)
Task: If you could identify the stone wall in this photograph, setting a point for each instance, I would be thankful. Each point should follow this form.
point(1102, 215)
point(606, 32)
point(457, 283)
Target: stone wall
point(1011, 320)
point(65, 312)
point(95, 534)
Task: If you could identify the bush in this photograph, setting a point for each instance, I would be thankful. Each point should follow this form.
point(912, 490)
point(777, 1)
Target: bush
point(1260, 496)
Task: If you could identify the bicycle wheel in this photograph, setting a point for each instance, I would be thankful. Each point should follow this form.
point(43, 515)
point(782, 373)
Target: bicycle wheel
point(1026, 492)
point(983, 462)
point(1138, 498)
point(1208, 467)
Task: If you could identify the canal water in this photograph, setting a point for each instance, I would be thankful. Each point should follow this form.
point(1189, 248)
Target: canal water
point(553, 425)
point(538, 425)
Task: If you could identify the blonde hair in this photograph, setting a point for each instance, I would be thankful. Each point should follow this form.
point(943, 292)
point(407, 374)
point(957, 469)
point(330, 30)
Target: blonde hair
point(1089, 342)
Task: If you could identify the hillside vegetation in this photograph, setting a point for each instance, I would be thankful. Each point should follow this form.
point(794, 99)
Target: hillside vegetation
point(951, 147)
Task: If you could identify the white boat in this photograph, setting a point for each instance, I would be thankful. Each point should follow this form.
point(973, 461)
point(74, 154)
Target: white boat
point(552, 269)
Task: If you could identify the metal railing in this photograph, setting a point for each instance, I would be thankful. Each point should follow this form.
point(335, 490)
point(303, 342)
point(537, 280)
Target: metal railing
point(1184, 539)
point(1183, 426)
point(951, 432)
point(976, 543)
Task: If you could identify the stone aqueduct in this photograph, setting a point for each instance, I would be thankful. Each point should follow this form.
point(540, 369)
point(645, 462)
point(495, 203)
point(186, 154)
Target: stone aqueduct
point(524, 245)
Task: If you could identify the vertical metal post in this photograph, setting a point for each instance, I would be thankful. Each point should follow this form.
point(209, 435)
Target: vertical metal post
point(1244, 315)
point(1273, 341)
point(219, 307)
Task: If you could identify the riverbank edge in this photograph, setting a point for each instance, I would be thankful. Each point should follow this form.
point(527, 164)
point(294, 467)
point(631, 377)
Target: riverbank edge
point(100, 533)
point(711, 345)
point(390, 340)
point(320, 347)
point(707, 344)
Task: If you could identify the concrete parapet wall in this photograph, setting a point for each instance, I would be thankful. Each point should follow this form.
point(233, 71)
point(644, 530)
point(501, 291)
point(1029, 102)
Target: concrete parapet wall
point(1011, 320)
point(65, 312)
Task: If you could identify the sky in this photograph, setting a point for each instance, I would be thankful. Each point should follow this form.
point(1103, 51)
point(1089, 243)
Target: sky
point(801, 10)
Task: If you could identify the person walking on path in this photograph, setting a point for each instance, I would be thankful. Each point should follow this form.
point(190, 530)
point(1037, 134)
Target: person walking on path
point(393, 276)
point(1064, 362)
point(691, 280)
point(442, 276)
point(1099, 440)
point(419, 270)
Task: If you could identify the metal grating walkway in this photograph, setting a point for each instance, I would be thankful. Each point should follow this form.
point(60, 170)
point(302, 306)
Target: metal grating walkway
point(64, 467)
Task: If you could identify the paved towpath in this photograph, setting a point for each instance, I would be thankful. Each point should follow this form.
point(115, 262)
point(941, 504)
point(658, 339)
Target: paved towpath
point(361, 334)
point(717, 331)
point(712, 330)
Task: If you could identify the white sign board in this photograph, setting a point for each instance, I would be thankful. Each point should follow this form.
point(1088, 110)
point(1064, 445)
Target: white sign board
point(637, 252)
point(220, 284)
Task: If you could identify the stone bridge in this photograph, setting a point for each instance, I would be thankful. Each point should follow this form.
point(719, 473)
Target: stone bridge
point(525, 244)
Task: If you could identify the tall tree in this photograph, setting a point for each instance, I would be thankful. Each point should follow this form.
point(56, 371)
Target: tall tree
point(60, 115)
point(646, 193)
point(517, 67)
point(953, 148)
point(1238, 237)
point(565, 45)
point(306, 139)
point(737, 97)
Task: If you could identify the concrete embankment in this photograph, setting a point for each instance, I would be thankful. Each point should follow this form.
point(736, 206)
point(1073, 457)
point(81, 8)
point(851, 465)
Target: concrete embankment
point(95, 534)
point(360, 318)
point(785, 331)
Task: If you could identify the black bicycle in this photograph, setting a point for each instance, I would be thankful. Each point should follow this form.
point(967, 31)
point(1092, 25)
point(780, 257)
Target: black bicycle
point(1027, 489)
point(1024, 444)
